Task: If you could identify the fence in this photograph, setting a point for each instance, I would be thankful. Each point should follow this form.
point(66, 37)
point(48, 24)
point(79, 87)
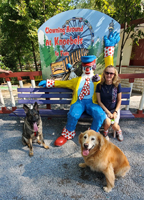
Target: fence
point(31, 75)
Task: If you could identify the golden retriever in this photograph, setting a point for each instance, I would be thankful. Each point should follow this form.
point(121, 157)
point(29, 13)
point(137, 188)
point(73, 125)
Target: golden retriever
point(103, 156)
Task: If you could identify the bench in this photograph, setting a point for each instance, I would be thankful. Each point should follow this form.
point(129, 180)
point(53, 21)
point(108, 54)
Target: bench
point(49, 96)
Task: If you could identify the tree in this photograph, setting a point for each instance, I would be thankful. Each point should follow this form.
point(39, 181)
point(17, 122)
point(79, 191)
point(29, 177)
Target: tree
point(13, 37)
point(126, 11)
point(19, 23)
point(104, 6)
point(34, 13)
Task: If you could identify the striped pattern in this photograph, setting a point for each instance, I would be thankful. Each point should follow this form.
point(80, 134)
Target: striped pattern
point(63, 95)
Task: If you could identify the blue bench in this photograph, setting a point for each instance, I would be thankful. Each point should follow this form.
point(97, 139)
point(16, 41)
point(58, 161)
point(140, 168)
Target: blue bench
point(49, 96)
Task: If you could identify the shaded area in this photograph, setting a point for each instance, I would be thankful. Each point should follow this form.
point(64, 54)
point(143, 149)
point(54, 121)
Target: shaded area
point(55, 174)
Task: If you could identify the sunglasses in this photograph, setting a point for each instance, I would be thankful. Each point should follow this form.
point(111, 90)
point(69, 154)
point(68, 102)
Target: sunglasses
point(107, 73)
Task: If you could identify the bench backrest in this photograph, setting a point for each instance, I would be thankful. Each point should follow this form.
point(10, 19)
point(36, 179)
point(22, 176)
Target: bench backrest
point(56, 95)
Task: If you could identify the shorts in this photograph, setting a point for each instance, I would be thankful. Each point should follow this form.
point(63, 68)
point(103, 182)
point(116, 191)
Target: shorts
point(117, 118)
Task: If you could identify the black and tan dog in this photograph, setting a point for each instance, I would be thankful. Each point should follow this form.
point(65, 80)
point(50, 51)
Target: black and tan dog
point(32, 129)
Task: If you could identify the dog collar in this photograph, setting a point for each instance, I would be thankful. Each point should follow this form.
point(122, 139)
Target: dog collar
point(35, 134)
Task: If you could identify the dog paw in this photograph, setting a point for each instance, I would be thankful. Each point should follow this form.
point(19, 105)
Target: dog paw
point(38, 141)
point(106, 189)
point(82, 165)
point(46, 147)
point(30, 154)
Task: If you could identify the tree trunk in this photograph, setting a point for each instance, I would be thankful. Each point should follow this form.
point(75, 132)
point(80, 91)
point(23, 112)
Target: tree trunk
point(120, 61)
point(34, 56)
point(121, 51)
point(40, 66)
point(20, 63)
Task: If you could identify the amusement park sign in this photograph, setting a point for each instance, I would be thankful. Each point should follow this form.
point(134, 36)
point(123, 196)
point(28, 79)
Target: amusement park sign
point(67, 36)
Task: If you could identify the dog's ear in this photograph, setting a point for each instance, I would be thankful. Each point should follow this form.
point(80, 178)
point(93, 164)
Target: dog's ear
point(101, 141)
point(80, 136)
point(26, 108)
point(36, 107)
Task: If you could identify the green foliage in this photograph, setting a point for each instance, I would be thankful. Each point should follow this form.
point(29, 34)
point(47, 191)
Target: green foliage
point(20, 20)
point(104, 6)
point(126, 13)
point(19, 23)
point(123, 11)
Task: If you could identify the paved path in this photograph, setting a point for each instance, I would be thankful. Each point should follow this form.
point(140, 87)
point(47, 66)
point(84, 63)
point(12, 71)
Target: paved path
point(54, 174)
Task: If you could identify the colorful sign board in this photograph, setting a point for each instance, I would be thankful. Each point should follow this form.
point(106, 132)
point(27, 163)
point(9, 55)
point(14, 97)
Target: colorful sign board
point(67, 36)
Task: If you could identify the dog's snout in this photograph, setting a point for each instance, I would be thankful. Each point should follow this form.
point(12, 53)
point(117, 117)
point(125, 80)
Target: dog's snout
point(86, 146)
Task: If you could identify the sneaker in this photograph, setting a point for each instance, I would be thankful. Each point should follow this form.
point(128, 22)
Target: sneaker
point(106, 135)
point(119, 135)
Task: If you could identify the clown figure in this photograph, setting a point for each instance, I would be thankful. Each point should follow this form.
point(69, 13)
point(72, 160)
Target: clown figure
point(84, 99)
point(84, 91)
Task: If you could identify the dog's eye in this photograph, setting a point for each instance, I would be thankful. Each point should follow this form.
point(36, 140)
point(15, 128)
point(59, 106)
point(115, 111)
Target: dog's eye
point(93, 139)
point(85, 137)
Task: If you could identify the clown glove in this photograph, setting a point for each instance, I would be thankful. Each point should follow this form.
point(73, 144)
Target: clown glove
point(47, 83)
point(42, 83)
point(112, 39)
point(96, 78)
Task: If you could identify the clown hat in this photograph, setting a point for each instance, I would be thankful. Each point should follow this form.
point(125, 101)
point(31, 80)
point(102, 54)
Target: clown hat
point(88, 60)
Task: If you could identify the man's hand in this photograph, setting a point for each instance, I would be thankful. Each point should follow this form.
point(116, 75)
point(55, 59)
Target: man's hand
point(8, 72)
point(115, 115)
point(5, 71)
point(110, 115)
point(112, 40)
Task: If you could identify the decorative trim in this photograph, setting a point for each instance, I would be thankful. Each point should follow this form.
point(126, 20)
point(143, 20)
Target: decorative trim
point(108, 51)
point(50, 83)
point(68, 134)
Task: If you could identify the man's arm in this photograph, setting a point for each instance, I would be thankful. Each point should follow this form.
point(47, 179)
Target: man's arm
point(5, 71)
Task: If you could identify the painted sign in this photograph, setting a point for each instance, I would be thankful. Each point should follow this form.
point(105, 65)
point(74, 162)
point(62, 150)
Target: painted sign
point(67, 36)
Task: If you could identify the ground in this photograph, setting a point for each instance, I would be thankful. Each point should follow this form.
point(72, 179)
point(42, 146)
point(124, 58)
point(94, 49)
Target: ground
point(55, 174)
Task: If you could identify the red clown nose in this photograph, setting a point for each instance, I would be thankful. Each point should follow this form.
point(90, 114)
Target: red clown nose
point(87, 69)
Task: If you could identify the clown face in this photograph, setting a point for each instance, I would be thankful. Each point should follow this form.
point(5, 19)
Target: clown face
point(87, 70)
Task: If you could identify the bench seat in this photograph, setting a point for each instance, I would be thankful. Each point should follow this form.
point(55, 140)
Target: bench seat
point(63, 113)
point(48, 96)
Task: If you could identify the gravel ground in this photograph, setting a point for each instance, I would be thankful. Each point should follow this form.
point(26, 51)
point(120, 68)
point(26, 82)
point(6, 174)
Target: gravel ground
point(54, 174)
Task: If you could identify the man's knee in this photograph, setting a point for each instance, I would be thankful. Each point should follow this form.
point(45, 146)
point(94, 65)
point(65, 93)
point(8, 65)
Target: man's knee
point(98, 112)
point(75, 112)
point(107, 122)
point(115, 125)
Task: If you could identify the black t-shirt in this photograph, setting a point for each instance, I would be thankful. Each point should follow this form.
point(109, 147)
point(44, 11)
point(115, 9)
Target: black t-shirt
point(108, 94)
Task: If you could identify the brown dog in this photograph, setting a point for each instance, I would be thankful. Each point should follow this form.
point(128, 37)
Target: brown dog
point(103, 156)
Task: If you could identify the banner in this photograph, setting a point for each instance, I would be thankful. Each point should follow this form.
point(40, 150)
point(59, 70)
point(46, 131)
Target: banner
point(67, 36)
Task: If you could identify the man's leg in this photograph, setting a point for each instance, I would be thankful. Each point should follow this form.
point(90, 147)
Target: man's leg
point(97, 114)
point(73, 116)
